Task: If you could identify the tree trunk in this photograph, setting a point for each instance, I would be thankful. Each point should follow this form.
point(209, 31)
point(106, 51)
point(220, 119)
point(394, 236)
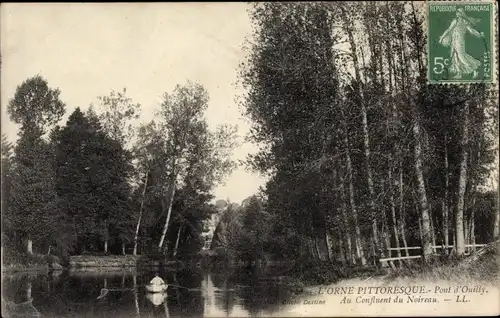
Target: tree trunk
point(445, 227)
point(472, 231)
point(466, 234)
point(401, 209)
point(169, 211)
point(347, 227)
point(106, 245)
point(496, 220)
point(405, 243)
point(459, 213)
point(29, 246)
point(28, 291)
point(446, 233)
point(359, 249)
point(177, 240)
point(136, 237)
point(341, 250)
point(316, 245)
point(328, 246)
point(420, 231)
point(372, 248)
point(393, 87)
point(422, 194)
point(369, 179)
point(358, 243)
point(123, 248)
point(386, 240)
point(421, 190)
point(366, 137)
point(393, 211)
point(311, 248)
point(453, 240)
point(433, 235)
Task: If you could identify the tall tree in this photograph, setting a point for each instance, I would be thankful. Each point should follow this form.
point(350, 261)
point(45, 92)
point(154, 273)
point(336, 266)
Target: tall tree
point(36, 107)
point(6, 181)
point(92, 175)
point(288, 77)
point(360, 98)
point(255, 225)
point(116, 112)
point(179, 113)
point(459, 214)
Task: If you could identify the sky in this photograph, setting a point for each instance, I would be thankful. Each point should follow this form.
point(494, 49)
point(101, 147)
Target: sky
point(87, 50)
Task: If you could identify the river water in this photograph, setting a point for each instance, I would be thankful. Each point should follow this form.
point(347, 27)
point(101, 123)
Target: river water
point(200, 293)
point(244, 294)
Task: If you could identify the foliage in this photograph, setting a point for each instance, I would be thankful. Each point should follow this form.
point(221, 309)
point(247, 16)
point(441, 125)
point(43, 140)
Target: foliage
point(35, 103)
point(32, 201)
point(244, 233)
point(358, 148)
point(185, 161)
point(92, 172)
point(7, 153)
point(116, 113)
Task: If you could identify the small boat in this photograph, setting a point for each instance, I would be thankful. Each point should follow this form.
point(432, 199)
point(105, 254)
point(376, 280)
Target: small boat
point(156, 288)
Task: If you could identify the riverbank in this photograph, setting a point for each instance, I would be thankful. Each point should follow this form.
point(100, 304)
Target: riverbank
point(120, 261)
point(23, 262)
point(482, 266)
point(13, 261)
point(463, 286)
point(113, 261)
point(18, 268)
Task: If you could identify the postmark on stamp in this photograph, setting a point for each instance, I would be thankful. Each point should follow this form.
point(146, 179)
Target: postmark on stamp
point(461, 43)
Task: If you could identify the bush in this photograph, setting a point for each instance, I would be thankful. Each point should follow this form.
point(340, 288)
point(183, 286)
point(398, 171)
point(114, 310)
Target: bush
point(14, 258)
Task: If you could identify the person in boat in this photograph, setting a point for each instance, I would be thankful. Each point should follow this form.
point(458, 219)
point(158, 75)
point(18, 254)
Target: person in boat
point(157, 280)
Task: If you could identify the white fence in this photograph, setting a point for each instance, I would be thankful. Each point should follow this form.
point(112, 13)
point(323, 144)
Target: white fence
point(434, 247)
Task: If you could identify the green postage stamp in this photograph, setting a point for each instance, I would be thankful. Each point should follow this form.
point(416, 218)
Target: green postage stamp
point(461, 42)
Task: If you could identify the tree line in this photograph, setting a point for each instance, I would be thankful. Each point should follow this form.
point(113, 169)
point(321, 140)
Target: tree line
point(99, 184)
point(361, 153)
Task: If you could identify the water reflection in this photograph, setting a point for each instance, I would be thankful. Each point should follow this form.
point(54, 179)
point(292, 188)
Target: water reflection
point(75, 294)
point(24, 308)
point(207, 292)
point(156, 298)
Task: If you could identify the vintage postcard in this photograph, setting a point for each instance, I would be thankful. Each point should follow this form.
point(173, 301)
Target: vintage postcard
point(267, 159)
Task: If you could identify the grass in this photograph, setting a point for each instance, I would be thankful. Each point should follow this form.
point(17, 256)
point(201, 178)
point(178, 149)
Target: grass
point(482, 266)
